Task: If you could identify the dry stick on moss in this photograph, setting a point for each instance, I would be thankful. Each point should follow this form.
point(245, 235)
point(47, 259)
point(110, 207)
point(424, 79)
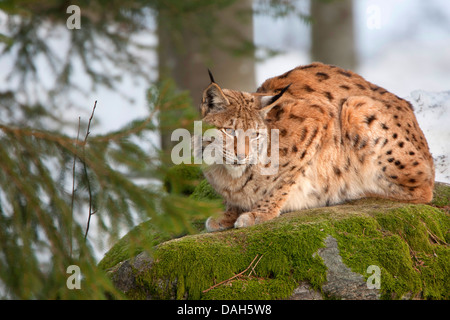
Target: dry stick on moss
point(412, 252)
point(253, 268)
point(85, 172)
point(233, 277)
point(435, 238)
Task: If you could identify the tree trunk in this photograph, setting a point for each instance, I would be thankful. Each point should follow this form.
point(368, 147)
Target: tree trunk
point(333, 39)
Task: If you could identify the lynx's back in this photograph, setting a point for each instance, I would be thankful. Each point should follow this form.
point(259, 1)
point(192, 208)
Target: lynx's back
point(368, 116)
point(333, 83)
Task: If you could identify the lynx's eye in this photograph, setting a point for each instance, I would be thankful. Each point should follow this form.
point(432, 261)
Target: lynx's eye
point(254, 135)
point(229, 131)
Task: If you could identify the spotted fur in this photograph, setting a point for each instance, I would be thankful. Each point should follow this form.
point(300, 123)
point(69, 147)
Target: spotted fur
point(341, 137)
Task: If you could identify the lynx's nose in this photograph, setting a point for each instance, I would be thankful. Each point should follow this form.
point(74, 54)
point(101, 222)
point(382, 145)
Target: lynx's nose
point(241, 157)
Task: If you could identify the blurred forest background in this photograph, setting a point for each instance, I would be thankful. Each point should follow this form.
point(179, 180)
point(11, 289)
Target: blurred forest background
point(86, 113)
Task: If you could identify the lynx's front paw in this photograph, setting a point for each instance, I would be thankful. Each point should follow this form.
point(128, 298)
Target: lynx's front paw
point(213, 225)
point(251, 218)
point(245, 220)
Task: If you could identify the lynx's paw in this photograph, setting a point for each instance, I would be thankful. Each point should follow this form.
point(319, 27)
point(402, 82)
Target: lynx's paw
point(251, 218)
point(245, 220)
point(216, 225)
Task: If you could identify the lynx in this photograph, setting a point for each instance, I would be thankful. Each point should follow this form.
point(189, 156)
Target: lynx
point(340, 138)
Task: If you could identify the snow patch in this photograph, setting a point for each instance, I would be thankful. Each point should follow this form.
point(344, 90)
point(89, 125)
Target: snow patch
point(432, 111)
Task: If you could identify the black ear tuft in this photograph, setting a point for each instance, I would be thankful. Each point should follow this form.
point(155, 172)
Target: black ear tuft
point(211, 76)
point(268, 100)
point(278, 96)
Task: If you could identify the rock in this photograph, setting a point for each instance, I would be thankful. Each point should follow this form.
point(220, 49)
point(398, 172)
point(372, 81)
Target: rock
point(342, 282)
point(125, 273)
point(305, 292)
point(335, 252)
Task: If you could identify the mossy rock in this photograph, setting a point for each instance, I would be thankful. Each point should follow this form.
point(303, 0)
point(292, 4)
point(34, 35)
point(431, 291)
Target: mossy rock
point(441, 195)
point(321, 252)
point(141, 238)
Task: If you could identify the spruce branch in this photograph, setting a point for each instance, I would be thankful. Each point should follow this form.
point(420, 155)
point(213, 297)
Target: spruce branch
point(40, 202)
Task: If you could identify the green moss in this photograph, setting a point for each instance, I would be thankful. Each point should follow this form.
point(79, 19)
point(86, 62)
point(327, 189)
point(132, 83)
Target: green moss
point(390, 254)
point(435, 269)
point(412, 223)
point(143, 237)
point(408, 242)
point(441, 194)
point(256, 288)
point(289, 251)
point(399, 241)
point(193, 264)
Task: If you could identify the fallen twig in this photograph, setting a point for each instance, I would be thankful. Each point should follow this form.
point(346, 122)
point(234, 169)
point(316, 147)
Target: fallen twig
point(435, 238)
point(236, 275)
point(253, 268)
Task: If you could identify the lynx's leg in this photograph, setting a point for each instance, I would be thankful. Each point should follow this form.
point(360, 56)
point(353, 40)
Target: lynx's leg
point(225, 221)
point(296, 152)
point(390, 150)
point(269, 206)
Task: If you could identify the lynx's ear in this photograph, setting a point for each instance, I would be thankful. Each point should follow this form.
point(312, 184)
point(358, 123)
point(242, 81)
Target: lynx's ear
point(267, 102)
point(211, 76)
point(214, 99)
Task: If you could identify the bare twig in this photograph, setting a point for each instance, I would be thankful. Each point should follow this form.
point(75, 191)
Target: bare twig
point(89, 123)
point(73, 187)
point(235, 276)
point(253, 268)
point(435, 238)
point(86, 174)
point(411, 252)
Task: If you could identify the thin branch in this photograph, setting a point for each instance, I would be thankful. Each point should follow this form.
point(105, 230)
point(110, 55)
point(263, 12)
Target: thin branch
point(89, 123)
point(73, 187)
point(235, 276)
point(86, 174)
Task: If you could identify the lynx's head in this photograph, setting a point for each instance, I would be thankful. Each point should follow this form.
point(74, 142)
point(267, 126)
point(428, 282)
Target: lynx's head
point(239, 120)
